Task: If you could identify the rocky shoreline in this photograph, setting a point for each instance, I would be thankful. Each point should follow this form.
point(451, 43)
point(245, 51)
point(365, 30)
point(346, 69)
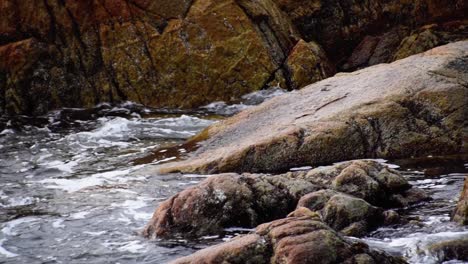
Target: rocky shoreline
point(182, 53)
point(415, 106)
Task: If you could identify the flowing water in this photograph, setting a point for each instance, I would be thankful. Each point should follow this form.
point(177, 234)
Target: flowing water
point(74, 188)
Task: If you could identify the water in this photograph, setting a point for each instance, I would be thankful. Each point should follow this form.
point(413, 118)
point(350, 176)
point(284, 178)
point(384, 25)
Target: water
point(77, 186)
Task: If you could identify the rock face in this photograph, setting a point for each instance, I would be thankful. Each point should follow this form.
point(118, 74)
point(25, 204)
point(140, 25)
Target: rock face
point(461, 212)
point(450, 250)
point(56, 53)
point(411, 107)
point(348, 196)
point(300, 238)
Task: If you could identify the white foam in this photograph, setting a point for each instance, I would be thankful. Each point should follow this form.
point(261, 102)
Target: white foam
point(133, 247)
point(73, 185)
point(17, 201)
point(5, 252)
point(58, 224)
point(8, 228)
point(301, 168)
point(95, 233)
point(80, 215)
point(60, 165)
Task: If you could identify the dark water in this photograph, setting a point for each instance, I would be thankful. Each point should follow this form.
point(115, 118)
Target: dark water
point(72, 189)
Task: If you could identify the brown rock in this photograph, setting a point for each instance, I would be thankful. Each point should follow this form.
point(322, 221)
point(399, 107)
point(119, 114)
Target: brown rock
point(158, 53)
point(307, 63)
point(247, 200)
point(300, 238)
point(456, 249)
point(186, 53)
point(461, 212)
point(339, 26)
point(431, 36)
point(412, 107)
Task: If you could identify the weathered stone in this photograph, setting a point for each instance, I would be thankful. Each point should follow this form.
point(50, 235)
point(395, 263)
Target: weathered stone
point(307, 63)
point(340, 25)
point(247, 200)
point(300, 238)
point(412, 107)
point(461, 212)
point(189, 53)
point(431, 36)
point(456, 249)
point(158, 53)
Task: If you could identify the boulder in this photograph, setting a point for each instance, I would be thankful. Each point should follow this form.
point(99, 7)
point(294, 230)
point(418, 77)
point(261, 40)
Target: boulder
point(411, 107)
point(186, 53)
point(456, 249)
point(461, 212)
point(339, 26)
point(157, 53)
point(350, 215)
point(430, 36)
point(300, 238)
point(247, 200)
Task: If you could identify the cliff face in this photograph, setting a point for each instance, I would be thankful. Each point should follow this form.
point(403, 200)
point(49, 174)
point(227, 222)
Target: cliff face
point(182, 53)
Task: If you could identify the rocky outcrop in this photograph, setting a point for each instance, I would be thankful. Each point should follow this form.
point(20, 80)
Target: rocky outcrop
point(340, 25)
point(349, 197)
point(461, 212)
point(456, 249)
point(412, 107)
point(300, 238)
point(61, 53)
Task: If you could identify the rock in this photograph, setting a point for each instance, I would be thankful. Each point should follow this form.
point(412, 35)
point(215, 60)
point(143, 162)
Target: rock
point(411, 107)
point(307, 63)
point(431, 36)
point(233, 200)
point(461, 212)
point(299, 238)
point(350, 215)
point(339, 26)
point(451, 250)
point(185, 53)
point(157, 53)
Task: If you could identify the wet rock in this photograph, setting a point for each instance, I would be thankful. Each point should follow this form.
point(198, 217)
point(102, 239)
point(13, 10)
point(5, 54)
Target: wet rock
point(299, 238)
point(350, 215)
point(451, 250)
point(233, 200)
point(184, 53)
point(431, 36)
point(461, 212)
point(77, 54)
point(412, 107)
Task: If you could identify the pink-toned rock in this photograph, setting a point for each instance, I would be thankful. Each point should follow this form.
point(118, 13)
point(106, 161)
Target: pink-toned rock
point(233, 200)
point(300, 238)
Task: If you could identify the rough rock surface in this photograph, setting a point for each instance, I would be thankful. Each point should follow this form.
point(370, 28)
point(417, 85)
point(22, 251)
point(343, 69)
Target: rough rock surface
point(461, 212)
point(300, 238)
point(411, 107)
point(182, 53)
point(350, 199)
point(456, 249)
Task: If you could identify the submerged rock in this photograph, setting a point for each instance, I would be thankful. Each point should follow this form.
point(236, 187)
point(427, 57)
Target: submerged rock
point(247, 200)
point(412, 107)
point(300, 238)
point(461, 212)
